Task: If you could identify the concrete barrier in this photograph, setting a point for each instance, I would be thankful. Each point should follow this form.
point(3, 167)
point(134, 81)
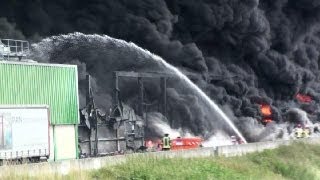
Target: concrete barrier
point(67, 166)
point(238, 150)
point(62, 167)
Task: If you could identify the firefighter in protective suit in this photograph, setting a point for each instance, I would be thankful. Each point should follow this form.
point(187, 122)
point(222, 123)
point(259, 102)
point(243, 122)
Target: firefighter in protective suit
point(298, 131)
point(166, 143)
point(306, 132)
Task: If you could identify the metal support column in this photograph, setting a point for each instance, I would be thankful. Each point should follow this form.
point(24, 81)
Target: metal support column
point(92, 115)
point(96, 140)
point(163, 100)
point(116, 89)
point(88, 100)
point(118, 142)
point(116, 103)
point(141, 89)
point(93, 136)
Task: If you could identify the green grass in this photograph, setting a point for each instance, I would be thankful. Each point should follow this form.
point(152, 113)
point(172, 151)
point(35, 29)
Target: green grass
point(176, 168)
point(297, 161)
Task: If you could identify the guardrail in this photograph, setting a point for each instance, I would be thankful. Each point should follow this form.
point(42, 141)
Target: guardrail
point(67, 166)
point(11, 48)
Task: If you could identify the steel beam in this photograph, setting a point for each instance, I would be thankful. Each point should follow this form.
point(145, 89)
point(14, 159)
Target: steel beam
point(88, 89)
point(141, 74)
point(163, 100)
point(141, 98)
point(116, 89)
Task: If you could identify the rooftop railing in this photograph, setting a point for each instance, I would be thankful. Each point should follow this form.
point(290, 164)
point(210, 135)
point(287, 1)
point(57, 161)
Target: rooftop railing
point(11, 49)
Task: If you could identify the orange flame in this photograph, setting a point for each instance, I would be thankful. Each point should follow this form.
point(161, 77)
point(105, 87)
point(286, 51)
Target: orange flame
point(303, 98)
point(265, 110)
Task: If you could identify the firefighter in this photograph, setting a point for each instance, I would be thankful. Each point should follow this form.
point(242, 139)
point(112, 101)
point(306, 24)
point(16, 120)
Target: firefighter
point(166, 143)
point(306, 132)
point(298, 131)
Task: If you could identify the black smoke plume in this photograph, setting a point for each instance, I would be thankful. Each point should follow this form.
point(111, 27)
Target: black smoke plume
point(242, 53)
point(9, 31)
point(100, 56)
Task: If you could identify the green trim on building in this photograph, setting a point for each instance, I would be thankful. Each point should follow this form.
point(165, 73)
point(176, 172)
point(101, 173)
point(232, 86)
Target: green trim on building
point(33, 83)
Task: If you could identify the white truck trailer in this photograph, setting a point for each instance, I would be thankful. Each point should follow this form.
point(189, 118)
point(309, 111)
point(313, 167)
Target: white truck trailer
point(24, 133)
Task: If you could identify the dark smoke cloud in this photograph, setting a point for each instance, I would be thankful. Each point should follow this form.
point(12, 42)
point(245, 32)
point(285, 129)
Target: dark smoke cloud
point(100, 56)
point(8, 30)
point(242, 53)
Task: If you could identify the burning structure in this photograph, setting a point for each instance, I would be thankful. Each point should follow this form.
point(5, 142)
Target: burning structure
point(121, 130)
point(195, 117)
point(269, 48)
point(266, 113)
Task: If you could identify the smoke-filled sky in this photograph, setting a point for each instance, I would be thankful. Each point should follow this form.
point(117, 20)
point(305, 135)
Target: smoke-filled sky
point(242, 53)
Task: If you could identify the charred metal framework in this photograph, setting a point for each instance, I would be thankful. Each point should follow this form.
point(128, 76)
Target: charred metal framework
point(140, 76)
point(123, 127)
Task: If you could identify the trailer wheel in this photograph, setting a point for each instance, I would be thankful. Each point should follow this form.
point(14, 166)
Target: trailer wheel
point(25, 161)
point(43, 159)
point(34, 159)
point(19, 161)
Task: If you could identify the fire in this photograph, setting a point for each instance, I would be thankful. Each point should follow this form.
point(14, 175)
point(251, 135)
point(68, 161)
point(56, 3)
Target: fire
point(265, 110)
point(303, 98)
point(266, 113)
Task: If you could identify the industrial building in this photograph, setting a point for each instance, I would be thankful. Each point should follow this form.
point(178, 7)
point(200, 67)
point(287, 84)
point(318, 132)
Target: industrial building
point(30, 84)
point(26, 84)
point(44, 99)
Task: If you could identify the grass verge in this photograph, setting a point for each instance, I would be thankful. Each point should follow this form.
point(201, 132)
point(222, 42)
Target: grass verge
point(297, 161)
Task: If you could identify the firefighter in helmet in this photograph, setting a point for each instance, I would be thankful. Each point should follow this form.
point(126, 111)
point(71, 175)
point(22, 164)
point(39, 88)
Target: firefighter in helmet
point(166, 142)
point(306, 132)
